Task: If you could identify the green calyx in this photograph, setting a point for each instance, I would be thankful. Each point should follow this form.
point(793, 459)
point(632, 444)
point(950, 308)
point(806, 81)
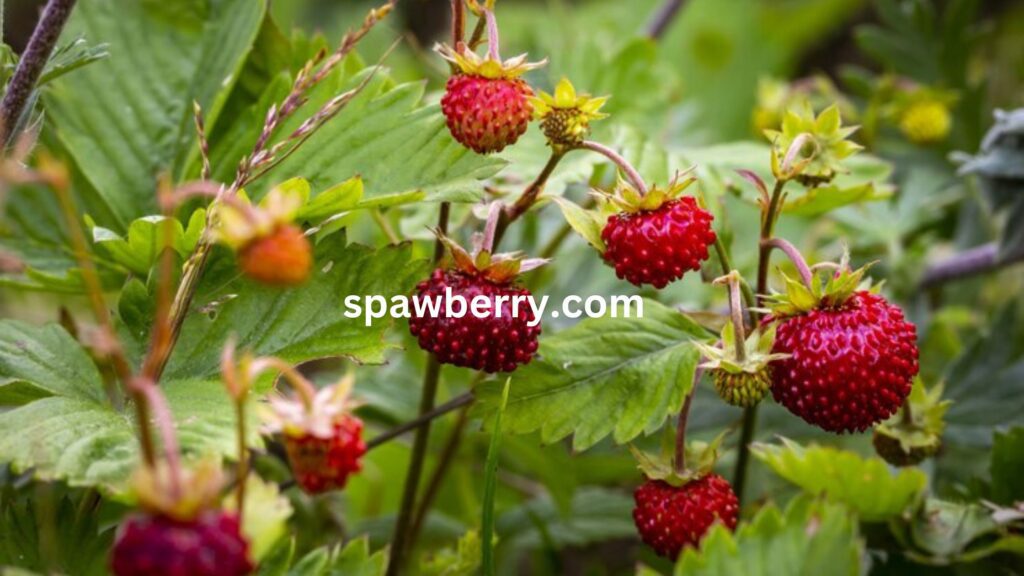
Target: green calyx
point(626, 198)
point(741, 378)
point(700, 458)
point(497, 268)
point(811, 148)
point(915, 431)
point(832, 293)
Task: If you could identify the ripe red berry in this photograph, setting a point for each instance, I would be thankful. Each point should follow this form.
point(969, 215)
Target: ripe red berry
point(281, 258)
point(492, 343)
point(670, 518)
point(850, 367)
point(486, 114)
point(154, 545)
point(658, 246)
point(320, 463)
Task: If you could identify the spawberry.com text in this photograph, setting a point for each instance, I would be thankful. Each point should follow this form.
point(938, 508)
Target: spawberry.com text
point(448, 305)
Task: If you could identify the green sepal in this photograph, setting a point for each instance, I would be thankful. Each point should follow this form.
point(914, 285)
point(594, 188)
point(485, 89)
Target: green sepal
point(498, 268)
point(799, 298)
point(626, 198)
point(923, 429)
point(825, 145)
point(700, 460)
point(757, 351)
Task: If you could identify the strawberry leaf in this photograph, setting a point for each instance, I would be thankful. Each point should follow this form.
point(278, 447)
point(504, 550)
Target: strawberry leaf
point(809, 537)
point(304, 323)
point(619, 376)
point(128, 117)
point(866, 485)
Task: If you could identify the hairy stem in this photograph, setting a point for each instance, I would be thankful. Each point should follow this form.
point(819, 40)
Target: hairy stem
point(806, 276)
point(622, 163)
point(764, 260)
point(243, 455)
point(31, 64)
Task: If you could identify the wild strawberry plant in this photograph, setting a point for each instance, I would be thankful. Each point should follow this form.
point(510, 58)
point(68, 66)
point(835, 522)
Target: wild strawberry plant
point(195, 203)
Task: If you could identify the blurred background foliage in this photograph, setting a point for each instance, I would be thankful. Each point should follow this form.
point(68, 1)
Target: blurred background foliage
point(722, 71)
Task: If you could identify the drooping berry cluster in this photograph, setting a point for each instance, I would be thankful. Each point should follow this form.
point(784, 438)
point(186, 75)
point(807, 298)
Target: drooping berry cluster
point(486, 114)
point(658, 246)
point(320, 464)
point(496, 343)
point(670, 518)
point(850, 366)
point(209, 545)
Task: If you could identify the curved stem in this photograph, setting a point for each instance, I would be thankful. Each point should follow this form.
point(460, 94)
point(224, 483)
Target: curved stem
point(679, 462)
point(494, 211)
point(723, 259)
point(527, 198)
point(631, 173)
point(806, 276)
point(492, 35)
point(31, 65)
point(298, 382)
point(732, 280)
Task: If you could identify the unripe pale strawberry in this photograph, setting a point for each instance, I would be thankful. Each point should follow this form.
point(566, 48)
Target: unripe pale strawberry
point(282, 258)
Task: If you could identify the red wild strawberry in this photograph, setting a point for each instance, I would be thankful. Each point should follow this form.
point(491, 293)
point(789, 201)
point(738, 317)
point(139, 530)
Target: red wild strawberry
point(491, 344)
point(208, 545)
point(282, 258)
point(852, 355)
point(658, 236)
point(181, 530)
point(486, 103)
point(670, 518)
point(322, 438)
point(486, 114)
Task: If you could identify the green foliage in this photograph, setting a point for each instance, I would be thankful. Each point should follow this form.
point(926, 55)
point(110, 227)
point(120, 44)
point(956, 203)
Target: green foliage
point(619, 376)
point(865, 485)
point(48, 529)
point(139, 250)
point(39, 362)
point(354, 559)
point(811, 537)
point(128, 117)
point(490, 483)
point(464, 560)
point(1007, 467)
point(308, 322)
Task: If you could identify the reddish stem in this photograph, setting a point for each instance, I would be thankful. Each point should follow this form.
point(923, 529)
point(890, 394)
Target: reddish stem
point(622, 163)
point(492, 35)
point(794, 255)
